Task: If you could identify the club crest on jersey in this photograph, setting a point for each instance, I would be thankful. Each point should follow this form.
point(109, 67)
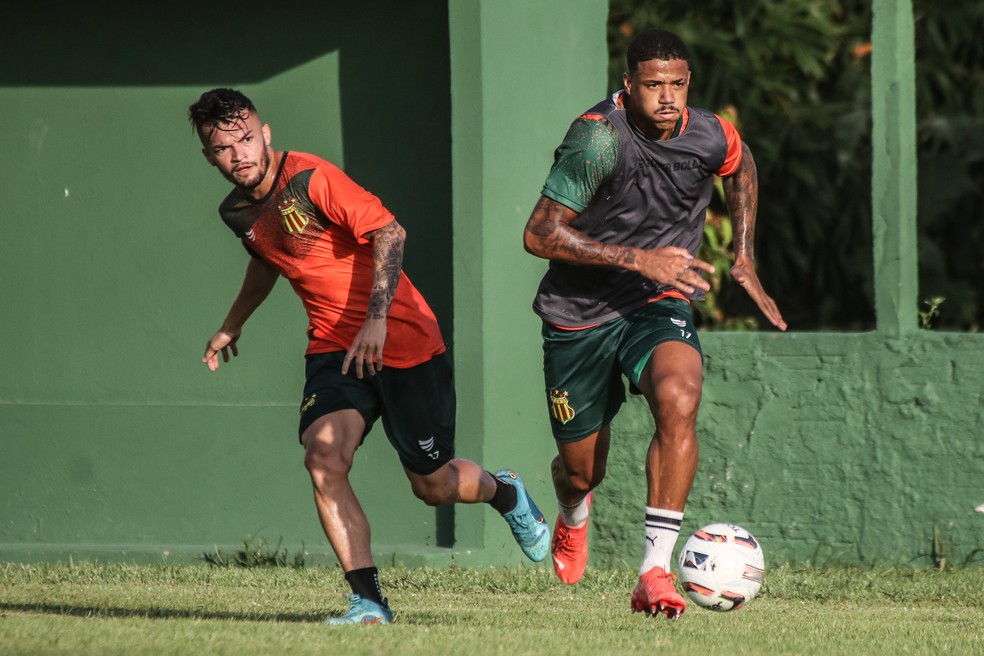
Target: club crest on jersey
point(294, 219)
point(560, 407)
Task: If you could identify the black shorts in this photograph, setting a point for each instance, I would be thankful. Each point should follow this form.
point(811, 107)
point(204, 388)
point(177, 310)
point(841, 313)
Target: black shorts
point(417, 405)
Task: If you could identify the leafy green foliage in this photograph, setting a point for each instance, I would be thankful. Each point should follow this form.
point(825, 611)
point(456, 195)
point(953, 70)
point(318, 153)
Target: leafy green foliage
point(927, 316)
point(717, 249)
point(950, 108)
point(792, 73)
point(797, 74)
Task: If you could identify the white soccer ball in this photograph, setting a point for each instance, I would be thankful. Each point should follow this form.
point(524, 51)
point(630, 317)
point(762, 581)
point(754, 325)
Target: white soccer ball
point(721, 567)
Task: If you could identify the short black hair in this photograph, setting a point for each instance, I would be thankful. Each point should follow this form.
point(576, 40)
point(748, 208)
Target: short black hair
point(219, 106)
point(655, 44)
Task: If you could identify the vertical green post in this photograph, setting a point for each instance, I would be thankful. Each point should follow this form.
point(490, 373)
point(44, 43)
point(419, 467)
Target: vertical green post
point(894, 170)
point(520, 73)
point(464, 24)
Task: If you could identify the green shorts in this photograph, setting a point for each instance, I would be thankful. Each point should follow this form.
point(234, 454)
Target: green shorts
point(417, 405)
point(583, 369)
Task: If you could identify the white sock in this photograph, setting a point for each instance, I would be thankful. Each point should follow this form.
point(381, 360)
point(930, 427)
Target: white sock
point(574, 516)
point(662, 531)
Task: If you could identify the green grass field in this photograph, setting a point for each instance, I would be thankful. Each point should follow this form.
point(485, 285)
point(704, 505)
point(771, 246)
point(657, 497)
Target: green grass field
point(195, 609)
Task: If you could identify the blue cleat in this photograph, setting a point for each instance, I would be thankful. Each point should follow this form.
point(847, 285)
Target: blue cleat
point(363, 611)
point(525, 520)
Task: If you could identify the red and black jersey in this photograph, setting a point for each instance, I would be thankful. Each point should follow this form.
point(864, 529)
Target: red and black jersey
point(312, 228)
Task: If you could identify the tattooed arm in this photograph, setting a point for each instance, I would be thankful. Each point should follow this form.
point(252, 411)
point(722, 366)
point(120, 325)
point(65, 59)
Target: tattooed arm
point(387, 253)
point(387, 256)
point(549, 235)
point(741, 194)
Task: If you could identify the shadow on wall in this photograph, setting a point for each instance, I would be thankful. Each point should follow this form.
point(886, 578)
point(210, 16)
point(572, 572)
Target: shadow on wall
point(394, 84)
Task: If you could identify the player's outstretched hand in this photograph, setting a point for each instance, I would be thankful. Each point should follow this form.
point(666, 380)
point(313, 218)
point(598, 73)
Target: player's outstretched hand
point(744, 274)
point(223, 342)
point(367, 348)
point(675, 267)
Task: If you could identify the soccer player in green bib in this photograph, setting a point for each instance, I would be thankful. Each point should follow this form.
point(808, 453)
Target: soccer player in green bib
point(620, 218)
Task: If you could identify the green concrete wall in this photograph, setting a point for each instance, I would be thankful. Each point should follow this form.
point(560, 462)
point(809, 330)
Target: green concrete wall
point(117, 443)
point(521, 71)
point(116, 267)
point(830, 448)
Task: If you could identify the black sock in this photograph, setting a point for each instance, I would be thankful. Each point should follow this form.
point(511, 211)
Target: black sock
point(505, 497)
point(365, 583)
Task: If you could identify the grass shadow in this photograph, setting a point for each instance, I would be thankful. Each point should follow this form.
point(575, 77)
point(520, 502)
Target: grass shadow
point(74, 610)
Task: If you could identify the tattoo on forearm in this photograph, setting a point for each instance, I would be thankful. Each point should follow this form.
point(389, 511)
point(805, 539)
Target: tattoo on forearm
point(556, 240)
point(741, 194)
point(387, 252)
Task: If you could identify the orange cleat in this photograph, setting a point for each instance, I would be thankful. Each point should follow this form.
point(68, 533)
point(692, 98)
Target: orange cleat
point(657, 593)
point(570, 549)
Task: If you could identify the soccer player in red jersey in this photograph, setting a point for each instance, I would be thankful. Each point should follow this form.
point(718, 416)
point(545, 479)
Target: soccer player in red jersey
point(620, 218)
point(374, 350)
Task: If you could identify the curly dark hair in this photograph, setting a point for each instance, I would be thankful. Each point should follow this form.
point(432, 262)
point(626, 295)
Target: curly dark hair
point(655, 44)
point(218, 106)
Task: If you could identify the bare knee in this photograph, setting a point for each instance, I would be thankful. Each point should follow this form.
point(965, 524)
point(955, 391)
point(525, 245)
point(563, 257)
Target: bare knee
point(428, 495)
point(585, 481)
point(676, 400)
point(582, 478)
point(433, 489)
point(329, 446)
point(326, 465)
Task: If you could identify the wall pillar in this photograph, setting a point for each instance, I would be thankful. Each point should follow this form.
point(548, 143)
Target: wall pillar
point(894, 175)
point(520, 73)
